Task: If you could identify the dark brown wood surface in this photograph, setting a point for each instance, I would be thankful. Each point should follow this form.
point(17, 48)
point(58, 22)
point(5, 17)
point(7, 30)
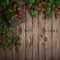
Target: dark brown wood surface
point(40, 40)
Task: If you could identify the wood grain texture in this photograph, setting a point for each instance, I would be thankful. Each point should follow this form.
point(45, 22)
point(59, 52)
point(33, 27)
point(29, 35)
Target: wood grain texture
point(40, 40)
point(29, 43)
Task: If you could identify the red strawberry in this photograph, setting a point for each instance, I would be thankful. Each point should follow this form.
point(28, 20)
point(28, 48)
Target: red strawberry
point(9, 32)
point(42, 9)
point(20, 13)
point(16, 43)
point(53, 6)
point(24, 6)
point(44, 3)
point(10, 46)
point(36, 7)
point(17, 49)
point(1, 44)
point(15, 6)
point(4, 7)
point(19, 9)
point(56, 16)
point(58, 6)
point(16, 15)
point(19, 16)
point(4, 26)
point(39, 5)
point(34, 16)
point(28, 5)
point(14, 9)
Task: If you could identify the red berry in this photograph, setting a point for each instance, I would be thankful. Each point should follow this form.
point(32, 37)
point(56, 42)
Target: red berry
point(16, 15)
point(16, 43)
point(39, 5)
point(10, 47)
point(19, 16)
point(2, 35)
point(4, 26)
point(17, 49)
point(42, 9)
point(36, 7)
point(58, 6)
point(1, 44)
point(19, 9)
point(44, 3)
point(53, 6)
point(9, 32)
point(20, 13)
point(56, 16)
point(24, 6)
point(15, 6)
point(28, 5)
point(4, 7)
point(34, 16)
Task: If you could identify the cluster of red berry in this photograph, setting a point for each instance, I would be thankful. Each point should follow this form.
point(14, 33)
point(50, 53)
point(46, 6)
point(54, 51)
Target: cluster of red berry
point(7, 38)
point(18, 10)
point(40, 7)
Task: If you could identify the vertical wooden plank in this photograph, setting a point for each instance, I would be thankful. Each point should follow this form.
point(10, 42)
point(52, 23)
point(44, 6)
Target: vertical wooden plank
point(22, 47)
point(35, 38)
point(15, 54)
point(52, 37)
point(9, 54)
point(55, 39)
point(2, 54)
point(59, 38)
point(48, 38)
point(41, 37)
point(29, 37)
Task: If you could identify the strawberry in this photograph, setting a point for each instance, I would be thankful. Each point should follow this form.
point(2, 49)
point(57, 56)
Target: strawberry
point(34, 16)
point(20, 13)
point(36, 7)
point(4, 7)
point(24, 6)
point(14, 9)
point(10, 46)
point(53, 6)
point(28, 5)
point(39, 5)
point(44, 3)
point(19, 16)
point(4, 26)
point(1, 44)
point(17, 49)
point(15, 6)
point(42, 9)
point(16, 43)
point(9, 32)
point(19, 9)
point(16, 15)
point(58, 6)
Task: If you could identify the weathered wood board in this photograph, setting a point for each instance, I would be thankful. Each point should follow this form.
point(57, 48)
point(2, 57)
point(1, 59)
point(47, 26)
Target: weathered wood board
point(40, 40)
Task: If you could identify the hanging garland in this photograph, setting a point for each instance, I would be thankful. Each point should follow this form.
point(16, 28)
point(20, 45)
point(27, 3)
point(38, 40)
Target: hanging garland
point(9, 9)
point(43, 6)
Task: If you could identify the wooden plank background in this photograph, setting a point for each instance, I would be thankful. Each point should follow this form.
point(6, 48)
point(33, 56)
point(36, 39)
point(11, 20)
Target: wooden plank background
point(40, 40)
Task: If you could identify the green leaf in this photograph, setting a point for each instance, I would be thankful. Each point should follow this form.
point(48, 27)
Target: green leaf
point(11, 28)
